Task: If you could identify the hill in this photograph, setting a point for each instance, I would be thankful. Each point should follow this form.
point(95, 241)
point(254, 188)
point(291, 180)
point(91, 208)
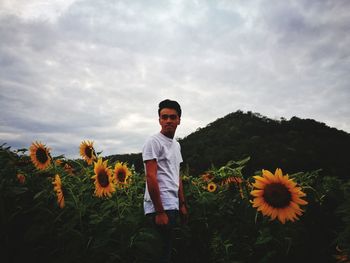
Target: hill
point(293, 145)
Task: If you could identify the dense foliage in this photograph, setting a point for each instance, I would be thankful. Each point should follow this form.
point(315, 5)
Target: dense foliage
point(223, 226)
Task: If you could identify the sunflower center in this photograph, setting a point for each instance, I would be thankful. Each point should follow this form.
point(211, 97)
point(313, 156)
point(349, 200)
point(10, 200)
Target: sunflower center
point(121, 176)
point(88, 152)
point(277, 195)
point(41, 155)
point(103, 178)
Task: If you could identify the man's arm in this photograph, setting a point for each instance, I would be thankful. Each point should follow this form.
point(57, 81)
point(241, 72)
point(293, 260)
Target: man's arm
point(182, 204)
point(154, 192)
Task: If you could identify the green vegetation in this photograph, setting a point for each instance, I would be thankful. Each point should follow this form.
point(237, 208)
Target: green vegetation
point(47, 220)
point(223, 225)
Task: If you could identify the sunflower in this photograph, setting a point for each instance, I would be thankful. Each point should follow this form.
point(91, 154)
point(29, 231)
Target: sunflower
point(185, 178)
point(40, 155)
point(277, 196)
point(206, 177)
point(68, 168)
point(21, 178)
point(58, 162)
point(87, 151)
point(211, 187)
point(104, 183)
point(232, 180)
point(341, 255)
point(236, 182)
point(58, 189)
point(121, 173)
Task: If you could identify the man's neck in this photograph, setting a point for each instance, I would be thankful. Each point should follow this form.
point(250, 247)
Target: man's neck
point(169, 135)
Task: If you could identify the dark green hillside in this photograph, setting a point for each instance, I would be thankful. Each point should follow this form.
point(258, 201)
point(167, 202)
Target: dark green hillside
point(134, 159)
point(293, 145)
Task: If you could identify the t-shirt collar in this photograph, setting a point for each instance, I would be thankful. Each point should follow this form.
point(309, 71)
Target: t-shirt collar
point(167, 138)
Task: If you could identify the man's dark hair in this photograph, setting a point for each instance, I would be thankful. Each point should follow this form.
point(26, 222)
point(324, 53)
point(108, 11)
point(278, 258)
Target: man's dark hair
point(171, 104)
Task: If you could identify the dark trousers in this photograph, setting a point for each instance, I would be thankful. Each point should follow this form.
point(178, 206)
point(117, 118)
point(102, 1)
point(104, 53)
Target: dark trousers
point(166, 234)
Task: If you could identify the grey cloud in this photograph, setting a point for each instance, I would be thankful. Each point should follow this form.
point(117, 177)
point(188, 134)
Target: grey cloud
point(98, 70)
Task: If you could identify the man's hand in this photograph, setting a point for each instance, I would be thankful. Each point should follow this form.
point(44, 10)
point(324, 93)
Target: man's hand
point(161, 219)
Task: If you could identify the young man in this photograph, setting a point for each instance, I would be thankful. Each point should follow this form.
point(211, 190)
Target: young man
point(164, 198)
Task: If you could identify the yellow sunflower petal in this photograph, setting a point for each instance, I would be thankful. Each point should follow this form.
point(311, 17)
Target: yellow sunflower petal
point(261, 179)
point(257, 193)
point(278, 172)
point(258, 201)
point(269, 176)
point(259, 184)
point(58, 189)
point(282, 216)
point(274, 214)
point(300, 201)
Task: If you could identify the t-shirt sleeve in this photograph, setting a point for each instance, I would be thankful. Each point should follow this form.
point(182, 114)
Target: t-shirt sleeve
point(180, 159)
point(150, 150)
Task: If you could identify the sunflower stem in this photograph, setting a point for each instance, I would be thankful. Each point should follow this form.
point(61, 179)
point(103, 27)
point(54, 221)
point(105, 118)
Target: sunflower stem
point(117, 201)
point(77, 207)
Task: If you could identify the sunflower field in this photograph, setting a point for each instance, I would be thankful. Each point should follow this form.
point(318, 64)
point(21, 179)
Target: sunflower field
point(54, 209)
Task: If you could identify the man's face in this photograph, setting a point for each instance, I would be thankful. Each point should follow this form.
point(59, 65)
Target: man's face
point(168, 120)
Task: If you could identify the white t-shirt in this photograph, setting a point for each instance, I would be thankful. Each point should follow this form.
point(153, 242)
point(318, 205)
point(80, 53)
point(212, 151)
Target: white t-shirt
point(167, 153)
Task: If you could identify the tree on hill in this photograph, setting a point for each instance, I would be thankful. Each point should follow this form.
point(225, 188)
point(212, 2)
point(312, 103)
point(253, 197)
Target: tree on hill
point(293, 145)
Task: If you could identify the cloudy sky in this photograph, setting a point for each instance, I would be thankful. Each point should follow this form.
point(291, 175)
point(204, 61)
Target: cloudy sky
point(96, 70)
